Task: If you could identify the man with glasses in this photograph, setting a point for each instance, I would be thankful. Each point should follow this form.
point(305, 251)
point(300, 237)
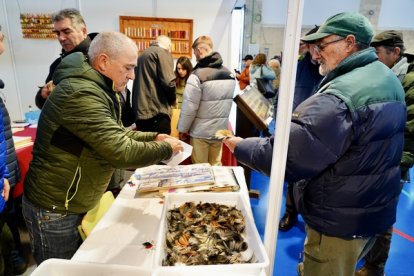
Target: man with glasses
point(345, 147)
point(390, 49)
point(70, 30)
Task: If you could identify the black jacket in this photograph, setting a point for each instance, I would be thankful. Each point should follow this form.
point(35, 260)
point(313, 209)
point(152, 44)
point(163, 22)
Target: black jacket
point(82, 47)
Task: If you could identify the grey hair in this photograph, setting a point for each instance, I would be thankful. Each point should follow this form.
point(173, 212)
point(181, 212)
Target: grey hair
point(164, 42)
point(111, 43)
point(389, 49)
point(72, 14)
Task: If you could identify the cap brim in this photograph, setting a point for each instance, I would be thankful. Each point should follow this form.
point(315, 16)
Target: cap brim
point(314, 37)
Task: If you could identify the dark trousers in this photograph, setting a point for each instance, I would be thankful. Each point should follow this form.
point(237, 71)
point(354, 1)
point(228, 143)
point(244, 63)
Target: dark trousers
point(6, 245)
point(378, 255)
point(290, 203)
point(160, 123)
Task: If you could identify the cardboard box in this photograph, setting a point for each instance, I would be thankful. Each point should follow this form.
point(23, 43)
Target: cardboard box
point(60, 267)
point(251, 235)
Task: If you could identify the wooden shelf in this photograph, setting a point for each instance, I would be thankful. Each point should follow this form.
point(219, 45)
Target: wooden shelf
point(144, 30)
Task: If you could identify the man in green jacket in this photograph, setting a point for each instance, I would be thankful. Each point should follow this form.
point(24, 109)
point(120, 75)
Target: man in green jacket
point(80, 141)
point(390, 49)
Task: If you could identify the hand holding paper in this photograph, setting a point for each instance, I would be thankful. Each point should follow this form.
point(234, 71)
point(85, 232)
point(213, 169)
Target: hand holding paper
point(174, 142)
point(179, 157)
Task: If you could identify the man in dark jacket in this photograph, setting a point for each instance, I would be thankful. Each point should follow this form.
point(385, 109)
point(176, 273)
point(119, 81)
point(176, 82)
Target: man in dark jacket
point(153, 91)
point(70, 29)
point(390, 49)
point(345, 148)
point(80, 141)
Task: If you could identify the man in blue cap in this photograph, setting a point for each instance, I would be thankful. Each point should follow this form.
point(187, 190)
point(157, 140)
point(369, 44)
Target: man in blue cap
point(345, 147)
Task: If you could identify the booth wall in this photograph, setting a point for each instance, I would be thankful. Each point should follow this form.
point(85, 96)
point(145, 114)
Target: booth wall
point(25, 63)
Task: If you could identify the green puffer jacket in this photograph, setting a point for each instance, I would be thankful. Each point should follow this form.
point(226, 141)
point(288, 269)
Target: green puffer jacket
point(80, 141)
point(407, 160)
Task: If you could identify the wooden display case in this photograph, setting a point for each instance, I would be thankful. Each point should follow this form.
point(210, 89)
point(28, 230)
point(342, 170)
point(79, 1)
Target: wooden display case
point(144, 30)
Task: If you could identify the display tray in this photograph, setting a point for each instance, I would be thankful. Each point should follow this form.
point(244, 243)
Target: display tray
point(60, 267)
point(251, 236)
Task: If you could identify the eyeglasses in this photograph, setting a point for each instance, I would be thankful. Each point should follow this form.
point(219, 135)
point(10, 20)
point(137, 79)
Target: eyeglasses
point(319, 48)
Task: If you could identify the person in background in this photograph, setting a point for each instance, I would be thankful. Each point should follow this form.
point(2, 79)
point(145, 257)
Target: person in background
point(244, 76)
point(70, 30)
point(182, 71)
point(390, 49)
point(154, 91)
point(345, 148)
point(307, 82)
point(6, 238)
point(303, 49)
point(207, 101)
point(275, 65)
point(80, 129)
point(13, 214)
point(259, 69)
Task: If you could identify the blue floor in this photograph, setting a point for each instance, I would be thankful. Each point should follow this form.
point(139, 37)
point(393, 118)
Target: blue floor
point(290, 244)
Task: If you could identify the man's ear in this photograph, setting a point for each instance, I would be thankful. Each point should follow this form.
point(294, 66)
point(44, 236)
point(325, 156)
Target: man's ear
point(397, 51)
point(102, 62)
point(84, 31)
point(351, 40)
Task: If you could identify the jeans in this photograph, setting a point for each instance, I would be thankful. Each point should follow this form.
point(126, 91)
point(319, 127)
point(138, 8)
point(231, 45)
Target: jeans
point(6, 245)
point(52, 235)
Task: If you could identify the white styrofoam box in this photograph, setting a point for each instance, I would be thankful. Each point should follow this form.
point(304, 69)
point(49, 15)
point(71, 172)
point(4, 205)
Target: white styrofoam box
point(252, 237)
point(60, 267)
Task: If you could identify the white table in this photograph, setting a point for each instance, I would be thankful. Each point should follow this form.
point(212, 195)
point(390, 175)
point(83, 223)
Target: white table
point(131, 221)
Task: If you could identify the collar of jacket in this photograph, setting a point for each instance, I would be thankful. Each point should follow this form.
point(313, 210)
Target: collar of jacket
point(214, 61)
point(82, 47)
point(357, 59)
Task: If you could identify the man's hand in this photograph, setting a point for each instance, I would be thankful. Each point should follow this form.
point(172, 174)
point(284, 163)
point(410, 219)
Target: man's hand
point(161, 137)
point(174, 142)
point(6, 190)
point(232, 142)
point(47, 89)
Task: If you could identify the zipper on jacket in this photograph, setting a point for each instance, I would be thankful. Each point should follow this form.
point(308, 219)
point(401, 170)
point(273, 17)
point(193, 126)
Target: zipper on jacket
point(77, 172)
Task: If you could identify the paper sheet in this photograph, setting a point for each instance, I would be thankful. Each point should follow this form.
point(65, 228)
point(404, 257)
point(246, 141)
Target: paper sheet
point(179, 157)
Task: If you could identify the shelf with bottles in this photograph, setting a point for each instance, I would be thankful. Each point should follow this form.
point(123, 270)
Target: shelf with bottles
point(144, 31)
point(37, 26)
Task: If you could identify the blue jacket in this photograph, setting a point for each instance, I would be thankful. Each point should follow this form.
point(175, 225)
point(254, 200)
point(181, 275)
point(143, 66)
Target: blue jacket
point(307, 80)
point(345, 147)
point(4, 172)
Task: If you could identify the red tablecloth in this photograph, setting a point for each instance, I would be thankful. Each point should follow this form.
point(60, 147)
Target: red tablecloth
point(24, 156)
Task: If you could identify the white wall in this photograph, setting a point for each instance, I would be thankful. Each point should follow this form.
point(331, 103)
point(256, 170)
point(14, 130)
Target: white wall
point(25, 63)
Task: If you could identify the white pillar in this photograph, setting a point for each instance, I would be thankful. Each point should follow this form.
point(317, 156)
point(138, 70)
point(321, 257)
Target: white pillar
point(284, 112)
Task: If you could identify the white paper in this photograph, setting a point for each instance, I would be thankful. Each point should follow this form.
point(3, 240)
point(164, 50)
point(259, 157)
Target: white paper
point(180, 156)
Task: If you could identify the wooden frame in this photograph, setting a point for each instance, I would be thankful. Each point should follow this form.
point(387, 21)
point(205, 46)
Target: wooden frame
point(144, 30)
point(255, 106)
